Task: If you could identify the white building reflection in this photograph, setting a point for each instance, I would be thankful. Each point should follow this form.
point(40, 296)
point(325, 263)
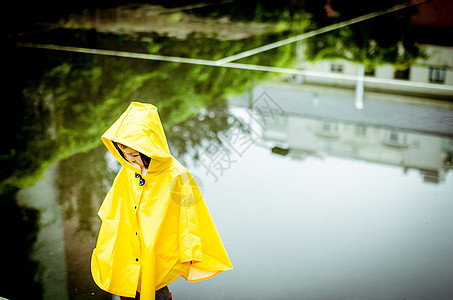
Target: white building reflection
point(431, 77)
point(302, 120)
point(382, 115)
point(411, 150)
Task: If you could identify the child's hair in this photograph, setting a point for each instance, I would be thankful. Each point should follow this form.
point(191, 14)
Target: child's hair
point(145, 159)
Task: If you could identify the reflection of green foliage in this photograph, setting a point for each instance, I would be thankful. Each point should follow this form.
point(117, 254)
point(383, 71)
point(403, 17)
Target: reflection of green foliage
point(209, 128)
point(19, 233)
point(366, 50)
point(382, 40)
point(71, 105)
point(284, 12)
point(190, 134)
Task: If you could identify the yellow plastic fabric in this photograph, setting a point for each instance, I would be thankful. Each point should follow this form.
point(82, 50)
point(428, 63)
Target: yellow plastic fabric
point(154, 233)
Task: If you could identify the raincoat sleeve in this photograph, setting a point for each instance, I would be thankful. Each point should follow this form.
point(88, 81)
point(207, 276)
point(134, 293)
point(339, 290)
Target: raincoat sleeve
point(190, 249)
point(200, 246)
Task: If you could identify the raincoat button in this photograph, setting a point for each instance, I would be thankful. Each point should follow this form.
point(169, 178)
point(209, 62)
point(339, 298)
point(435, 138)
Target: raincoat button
point(141, 181)
point(136, 259)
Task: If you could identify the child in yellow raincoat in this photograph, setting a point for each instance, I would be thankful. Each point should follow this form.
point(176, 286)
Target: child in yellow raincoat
point(155, 223)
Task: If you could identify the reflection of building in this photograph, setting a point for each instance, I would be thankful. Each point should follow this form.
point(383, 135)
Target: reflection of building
point(390, 129)
point(431, 77)
point(319, 137)
point(385, 115)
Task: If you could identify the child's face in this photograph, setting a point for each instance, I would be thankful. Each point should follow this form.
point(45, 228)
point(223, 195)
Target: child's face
point(132, 155)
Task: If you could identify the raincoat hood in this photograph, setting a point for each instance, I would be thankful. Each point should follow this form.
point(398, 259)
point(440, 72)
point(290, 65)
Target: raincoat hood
point(156, 228)
point(140, 128)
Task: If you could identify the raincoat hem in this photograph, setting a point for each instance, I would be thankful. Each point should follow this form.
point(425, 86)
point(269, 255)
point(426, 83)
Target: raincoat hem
point(173, 279)
point(204, 278)
point(119, 294)
point(102, 287)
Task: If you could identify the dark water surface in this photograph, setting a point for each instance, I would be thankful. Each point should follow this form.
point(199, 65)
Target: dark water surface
point(315, 195)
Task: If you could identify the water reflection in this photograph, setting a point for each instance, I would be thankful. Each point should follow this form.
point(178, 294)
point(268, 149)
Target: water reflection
point(19, 233)
point(49, 248)
point(82, 183)
point(74, 90)
point(362, 200)
point(311, 122)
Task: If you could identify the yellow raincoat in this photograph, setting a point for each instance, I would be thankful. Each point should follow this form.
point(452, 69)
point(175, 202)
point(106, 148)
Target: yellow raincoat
point(152, 233)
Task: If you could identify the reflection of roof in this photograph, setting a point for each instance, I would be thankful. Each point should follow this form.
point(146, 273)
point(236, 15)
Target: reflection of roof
point(374, 112)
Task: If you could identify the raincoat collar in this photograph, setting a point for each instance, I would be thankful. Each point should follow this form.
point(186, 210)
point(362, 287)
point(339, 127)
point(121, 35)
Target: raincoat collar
point(140, 128)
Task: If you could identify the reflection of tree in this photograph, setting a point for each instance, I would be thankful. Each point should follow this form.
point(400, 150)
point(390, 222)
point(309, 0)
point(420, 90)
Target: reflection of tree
point(82, 182)
point(284, 12)
point(189, 136)
point(19, 230)
point(382, 40)
point(69, 106)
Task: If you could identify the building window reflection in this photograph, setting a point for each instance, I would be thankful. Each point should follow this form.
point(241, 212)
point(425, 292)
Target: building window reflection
point(395, 139)
point(328, 129)
point(402, 73)
point(370, 70)
point(336, 68)
point(437, 75)
point(360, 130)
